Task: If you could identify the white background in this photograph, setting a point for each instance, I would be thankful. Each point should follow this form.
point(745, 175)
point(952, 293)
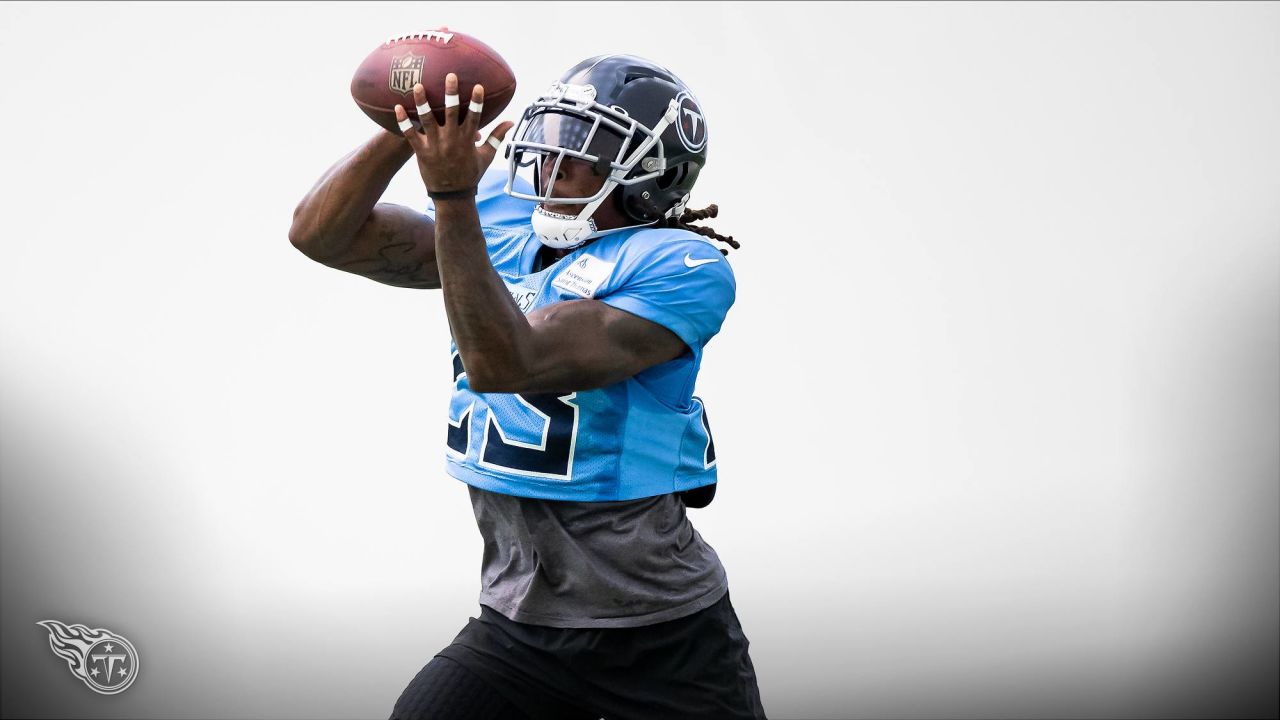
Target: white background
point(997, 410)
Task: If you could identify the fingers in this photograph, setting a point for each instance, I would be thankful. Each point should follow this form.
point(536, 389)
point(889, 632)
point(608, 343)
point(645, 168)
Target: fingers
point(471, 123)
point(425, 117)
point(415, 137)
point(420, 100)
point(452, 107)
point(451, 99)
point(488, 149)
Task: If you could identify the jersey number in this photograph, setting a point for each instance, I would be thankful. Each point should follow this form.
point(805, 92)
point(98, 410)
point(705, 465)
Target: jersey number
point(550, 456)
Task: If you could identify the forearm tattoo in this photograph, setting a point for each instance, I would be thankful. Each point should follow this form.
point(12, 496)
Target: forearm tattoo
point(395, 264)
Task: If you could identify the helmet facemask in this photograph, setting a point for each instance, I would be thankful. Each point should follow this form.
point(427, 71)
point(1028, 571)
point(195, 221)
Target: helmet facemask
point(567, 123)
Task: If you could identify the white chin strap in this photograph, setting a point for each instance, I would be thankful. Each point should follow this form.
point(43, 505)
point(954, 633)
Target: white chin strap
point(564, 232)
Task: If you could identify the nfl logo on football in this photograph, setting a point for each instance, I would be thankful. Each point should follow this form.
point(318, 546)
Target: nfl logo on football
point(406, 71)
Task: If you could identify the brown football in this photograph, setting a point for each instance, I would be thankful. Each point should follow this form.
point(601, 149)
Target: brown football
point(386, 78)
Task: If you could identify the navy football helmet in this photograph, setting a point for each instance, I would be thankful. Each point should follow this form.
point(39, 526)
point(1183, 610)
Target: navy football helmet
point(634, 121)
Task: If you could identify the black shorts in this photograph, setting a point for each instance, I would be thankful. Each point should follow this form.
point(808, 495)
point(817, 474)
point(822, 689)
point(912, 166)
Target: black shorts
point(691, 667)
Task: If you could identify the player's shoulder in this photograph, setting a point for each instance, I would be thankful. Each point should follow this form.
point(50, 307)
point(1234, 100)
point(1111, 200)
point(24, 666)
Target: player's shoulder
point(661, 238)
point(673, 250)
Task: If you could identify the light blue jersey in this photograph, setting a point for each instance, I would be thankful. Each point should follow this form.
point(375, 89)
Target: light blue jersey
point(647, 435)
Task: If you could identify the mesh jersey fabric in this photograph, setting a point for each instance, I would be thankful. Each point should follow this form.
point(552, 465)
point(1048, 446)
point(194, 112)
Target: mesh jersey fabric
point(647, 435)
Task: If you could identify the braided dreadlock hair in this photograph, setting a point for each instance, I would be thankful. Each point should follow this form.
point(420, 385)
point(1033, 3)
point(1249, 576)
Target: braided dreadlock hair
point(691, 216)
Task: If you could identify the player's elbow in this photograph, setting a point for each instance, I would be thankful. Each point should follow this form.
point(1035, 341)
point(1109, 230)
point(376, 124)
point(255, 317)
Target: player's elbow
point(302, 233)
point(313, 235)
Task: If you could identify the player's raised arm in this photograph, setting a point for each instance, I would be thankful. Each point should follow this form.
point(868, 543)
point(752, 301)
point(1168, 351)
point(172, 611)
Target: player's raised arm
point(341, 224)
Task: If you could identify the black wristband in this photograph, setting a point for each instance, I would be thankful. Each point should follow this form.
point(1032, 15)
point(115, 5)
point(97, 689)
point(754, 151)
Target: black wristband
point(452, 194)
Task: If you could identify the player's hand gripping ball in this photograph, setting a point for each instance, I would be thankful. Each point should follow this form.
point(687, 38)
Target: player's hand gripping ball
point(386, 78)
point(448, 158)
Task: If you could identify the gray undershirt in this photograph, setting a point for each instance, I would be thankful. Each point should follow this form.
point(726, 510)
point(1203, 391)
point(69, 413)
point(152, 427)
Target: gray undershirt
point(593, 564)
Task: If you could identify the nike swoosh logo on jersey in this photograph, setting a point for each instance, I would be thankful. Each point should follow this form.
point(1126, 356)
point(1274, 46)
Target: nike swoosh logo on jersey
point(690, 262)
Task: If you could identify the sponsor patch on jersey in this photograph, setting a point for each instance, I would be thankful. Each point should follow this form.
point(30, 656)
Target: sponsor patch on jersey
point(584, 276)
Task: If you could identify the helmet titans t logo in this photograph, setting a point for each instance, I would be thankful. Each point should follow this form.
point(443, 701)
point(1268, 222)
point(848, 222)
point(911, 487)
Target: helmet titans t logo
point(406, 71)
point(690, 123)
point(101, 659)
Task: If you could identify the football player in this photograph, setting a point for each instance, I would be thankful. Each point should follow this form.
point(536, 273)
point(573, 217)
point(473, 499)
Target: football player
point(580, 300)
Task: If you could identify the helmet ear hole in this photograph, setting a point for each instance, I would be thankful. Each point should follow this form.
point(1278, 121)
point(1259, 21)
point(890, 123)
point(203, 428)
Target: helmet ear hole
point(638, 207)
point(674, 176)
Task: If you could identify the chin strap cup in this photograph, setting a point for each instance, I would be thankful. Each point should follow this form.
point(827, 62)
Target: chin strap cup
point(562, 232)
point(566, 232)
